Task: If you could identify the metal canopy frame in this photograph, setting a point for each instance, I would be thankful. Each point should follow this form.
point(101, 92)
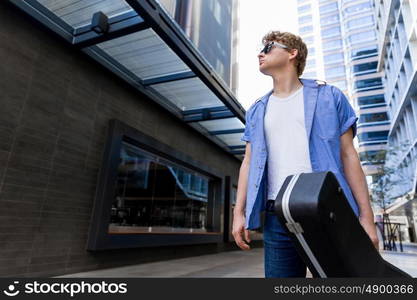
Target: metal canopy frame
point(118, 26)
point(148, 15)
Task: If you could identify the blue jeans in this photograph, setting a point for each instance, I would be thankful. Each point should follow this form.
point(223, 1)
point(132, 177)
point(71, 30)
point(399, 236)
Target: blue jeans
point(281, 258)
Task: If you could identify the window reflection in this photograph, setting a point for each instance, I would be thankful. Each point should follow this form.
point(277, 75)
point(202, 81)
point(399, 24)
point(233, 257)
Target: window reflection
point(335, 71)
point(332, 44)
point(304, 8)
point(155, 195)
point(368, 84)
point(373, 117)
point(305, 19)
point(372, 157)
point(358, 8)
point(328, 7)
point(373, 136)
point(362, 36)
point(365, 68)
point(329, 19)
point(234, 196)
point(364, 52)
point(330, 32)
point(369, 100)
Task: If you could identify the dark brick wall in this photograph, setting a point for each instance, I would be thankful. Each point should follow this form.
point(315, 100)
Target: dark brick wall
point(55, 107)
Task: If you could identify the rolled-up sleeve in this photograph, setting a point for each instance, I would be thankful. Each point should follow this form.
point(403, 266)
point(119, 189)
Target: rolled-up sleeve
point(347, 116)
point(246, 134)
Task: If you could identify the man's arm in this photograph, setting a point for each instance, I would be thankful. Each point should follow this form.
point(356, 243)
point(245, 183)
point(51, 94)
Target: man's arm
point(239, 232)
point(357, 182)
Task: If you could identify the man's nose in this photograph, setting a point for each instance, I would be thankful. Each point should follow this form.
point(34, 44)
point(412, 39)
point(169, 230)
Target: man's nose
point(261, 54)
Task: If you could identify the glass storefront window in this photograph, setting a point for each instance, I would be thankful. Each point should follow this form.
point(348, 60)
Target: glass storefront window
point(150, 194)
point(157, 195)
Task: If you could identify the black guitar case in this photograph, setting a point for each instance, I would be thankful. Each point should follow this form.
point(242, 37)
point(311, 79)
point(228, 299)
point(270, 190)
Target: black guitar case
point(325, 230)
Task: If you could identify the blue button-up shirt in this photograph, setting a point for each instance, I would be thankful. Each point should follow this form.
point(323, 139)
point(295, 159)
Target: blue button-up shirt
point(328, 114)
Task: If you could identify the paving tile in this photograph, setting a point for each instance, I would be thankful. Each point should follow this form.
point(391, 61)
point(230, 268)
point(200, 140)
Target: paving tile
point(243, 264)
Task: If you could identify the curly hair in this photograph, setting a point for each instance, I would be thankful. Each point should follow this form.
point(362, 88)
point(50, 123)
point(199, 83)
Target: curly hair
point(293, 42)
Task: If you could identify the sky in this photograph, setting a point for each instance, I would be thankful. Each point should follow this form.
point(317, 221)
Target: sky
point(257, 18)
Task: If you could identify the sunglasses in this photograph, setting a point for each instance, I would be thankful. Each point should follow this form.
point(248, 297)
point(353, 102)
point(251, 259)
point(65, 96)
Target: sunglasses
point(268, 47)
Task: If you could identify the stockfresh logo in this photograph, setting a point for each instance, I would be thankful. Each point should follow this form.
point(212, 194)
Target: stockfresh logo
point(12, 290)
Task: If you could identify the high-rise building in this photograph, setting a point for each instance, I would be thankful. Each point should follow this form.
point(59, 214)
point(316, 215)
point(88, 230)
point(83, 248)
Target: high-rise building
point(320, 28)
point(397, 59)
point(364, 80)
point(342, 43)
point(212, 26)
point(332, 44)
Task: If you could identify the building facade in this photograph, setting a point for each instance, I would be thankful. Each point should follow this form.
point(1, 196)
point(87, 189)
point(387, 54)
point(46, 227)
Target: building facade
point(320, 27)
point(212, 25)
point(107, 156)
point(397, 59)
point(365, 82)
point(342, 43)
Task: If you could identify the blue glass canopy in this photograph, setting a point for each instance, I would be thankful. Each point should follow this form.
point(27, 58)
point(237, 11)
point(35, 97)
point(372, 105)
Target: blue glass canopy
point(140, 42)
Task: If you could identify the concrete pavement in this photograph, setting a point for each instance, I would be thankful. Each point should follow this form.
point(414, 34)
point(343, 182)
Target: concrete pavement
point(247, 264)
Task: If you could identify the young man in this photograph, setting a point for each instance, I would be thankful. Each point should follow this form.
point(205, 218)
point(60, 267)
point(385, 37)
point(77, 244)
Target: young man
point(301, 125)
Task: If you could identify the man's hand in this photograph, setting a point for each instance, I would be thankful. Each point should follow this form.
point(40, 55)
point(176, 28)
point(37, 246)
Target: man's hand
point(370, 228)
point(239, 232)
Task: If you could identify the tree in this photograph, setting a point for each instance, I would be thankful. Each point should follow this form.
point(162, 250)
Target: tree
point(392, 181)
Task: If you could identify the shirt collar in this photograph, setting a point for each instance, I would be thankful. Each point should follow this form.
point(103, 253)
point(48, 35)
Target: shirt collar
point(305, 82)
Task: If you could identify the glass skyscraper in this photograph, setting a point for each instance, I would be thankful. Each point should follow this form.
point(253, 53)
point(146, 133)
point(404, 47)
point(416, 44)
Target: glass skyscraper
point(397, 59)
point(212, 25)
point(364, 80)
point(343, 50)
point(320, 27)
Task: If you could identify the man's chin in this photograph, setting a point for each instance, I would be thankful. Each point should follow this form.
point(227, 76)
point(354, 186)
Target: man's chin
point(263, 71)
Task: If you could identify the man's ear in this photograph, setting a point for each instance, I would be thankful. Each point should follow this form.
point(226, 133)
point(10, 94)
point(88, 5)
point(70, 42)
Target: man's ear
point(293, 53)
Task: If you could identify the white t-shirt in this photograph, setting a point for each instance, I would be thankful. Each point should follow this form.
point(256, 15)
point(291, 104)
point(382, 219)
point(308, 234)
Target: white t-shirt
point(286, 139)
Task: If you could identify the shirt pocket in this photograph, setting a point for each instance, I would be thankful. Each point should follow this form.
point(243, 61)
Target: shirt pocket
point(328, 124)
